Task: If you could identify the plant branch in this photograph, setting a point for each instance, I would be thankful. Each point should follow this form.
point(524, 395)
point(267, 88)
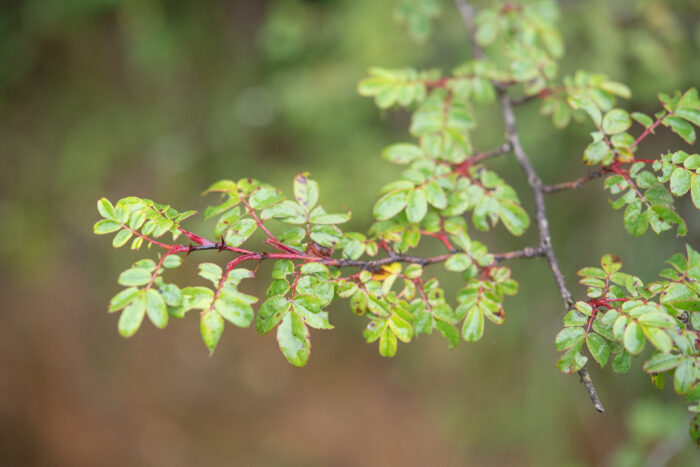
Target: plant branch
point(592, 175)
point(650, 129)
point(543, 225)
point(527, 252)
point(467, 12)
point(257, 220)
point(537, 188)
point(574, 184)
point(297, 255)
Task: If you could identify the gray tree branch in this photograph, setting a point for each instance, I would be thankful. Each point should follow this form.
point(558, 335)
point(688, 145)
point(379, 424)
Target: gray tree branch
point(538, 189)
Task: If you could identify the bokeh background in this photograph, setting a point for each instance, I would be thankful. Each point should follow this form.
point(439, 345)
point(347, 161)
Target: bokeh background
point(159, 98)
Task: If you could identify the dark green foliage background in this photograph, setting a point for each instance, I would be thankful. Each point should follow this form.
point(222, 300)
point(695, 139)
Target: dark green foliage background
point(160, 98)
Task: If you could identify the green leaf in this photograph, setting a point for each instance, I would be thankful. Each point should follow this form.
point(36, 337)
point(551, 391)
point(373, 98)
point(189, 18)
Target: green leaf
point(307, 307)
point(416, 206)
point(197, 297)
point(610, 263)
point(662, 217)
point(211, 326)
point(488, 26)
point(435, 195)
point(271, 312)
point(680, 181)
point(390, 204)
point(643, 119)
point(123, 298)
point(449, 332)
point(286, 211)
point(622, 363)
point(676, 292)
point(572, 360)
point(681, 128)
point(106, 210)
point(633, 338)
point(595, 152)
point(211, 272)
point(684, 376)
point(326, 235)
point(587, 104)
point(514, 217)
point(121, 238)
point(387, 343)
point(616, 88)
point(401, 327)
point(162, 225)
point(106, 226)
point(569, 337)
point(135, 277)
point(374, 330)
point(691, 115)
point(574, 318)
point(413, 271)
point(658, 338)
point(692, 162)
point(132, 316)
point(473, 327)
point(172, 295)
point(226, 206)
point(657, 319)
point(293, 339)
point(172, 261)
point(616, 121)
point(235, 310)
point(458, 262)
point(402, 153)
point(265, 197)
point(346, 289)
point(636, 221)
point(137, 220)
point(661, 362)
point(156, 309)
point(226, 186)
point(305, 191)
point(619, 327)
point(240, 232)
point(599, 348)
point(592, 272)
point(282, 268)
point(695, 429)
point(323, 218)
point(695, 189)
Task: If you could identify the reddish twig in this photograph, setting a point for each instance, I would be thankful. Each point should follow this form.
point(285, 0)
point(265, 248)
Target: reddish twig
point(173, 250)
point(257, 220)
point(649, 130)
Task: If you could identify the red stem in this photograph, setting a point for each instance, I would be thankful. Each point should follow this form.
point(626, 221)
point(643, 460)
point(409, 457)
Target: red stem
point(251, 211)
point(648, 130)
point(148, 239)
point(173, 250)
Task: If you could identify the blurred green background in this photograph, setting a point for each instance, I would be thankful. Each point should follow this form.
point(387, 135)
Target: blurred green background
point(160, 98)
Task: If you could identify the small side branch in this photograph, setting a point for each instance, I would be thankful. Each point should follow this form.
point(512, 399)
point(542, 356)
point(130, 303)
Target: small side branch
point(527, 252)
point(502, 149)
point(575, 184)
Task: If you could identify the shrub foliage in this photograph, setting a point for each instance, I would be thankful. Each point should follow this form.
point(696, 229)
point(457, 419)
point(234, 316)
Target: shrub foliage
point(446, 192)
